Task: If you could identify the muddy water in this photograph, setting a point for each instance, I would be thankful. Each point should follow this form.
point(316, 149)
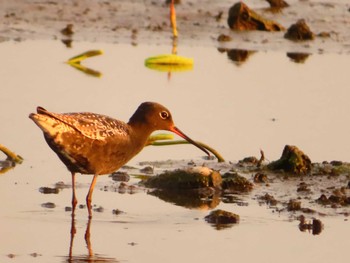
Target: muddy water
point(237, 108)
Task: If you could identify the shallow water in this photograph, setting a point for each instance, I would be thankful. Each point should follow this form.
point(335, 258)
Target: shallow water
point(264, 103)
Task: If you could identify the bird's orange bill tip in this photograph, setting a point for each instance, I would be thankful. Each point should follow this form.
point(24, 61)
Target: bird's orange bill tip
point(181, 134)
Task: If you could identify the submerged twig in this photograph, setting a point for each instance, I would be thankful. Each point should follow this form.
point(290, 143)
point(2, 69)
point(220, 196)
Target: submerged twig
point(262, 158)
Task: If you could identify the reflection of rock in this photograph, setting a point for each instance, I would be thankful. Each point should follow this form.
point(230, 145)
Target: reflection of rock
point(203, 199)
point(315, 227)
point(67, 42)
point(49, 190)
point(292, 160)
point(241, 17)
point(222, 219)
point(299, 31)
point(298, 57)
point(239, 55)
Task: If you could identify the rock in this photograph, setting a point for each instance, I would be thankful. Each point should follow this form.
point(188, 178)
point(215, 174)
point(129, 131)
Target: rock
point(224, 38)
point(303, 187)
point(268, 199)
point(191, 178)
point(249, 160)
point(294, 205)
point(292, 160)
point(299, 31)
point(260, 178)
point(241, 17)
point(220, 218)
point(117, 212)
point(277, 3)
point(68, 30)
point(234, 182)
point(120, 176)
point(147, 170)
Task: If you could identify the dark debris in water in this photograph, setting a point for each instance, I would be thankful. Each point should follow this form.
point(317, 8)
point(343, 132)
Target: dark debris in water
point(49, 205)
point(48, 190)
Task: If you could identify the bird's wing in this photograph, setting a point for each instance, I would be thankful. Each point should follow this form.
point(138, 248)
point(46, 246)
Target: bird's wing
point(98, 127)
point(93, 126)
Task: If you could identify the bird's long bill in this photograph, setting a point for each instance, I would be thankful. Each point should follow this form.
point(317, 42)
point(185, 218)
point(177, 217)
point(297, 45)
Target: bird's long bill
point(181, 134)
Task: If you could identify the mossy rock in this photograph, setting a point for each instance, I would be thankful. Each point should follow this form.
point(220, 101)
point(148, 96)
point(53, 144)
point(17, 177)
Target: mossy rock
point(292, 160)
point(234, 182)
point(192, 178)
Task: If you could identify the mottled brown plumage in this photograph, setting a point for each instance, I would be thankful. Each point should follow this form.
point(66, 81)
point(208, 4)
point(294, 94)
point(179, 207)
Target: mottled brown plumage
point(90, 143)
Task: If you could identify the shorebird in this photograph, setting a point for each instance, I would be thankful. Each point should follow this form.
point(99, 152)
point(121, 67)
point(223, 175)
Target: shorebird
point(90, 143)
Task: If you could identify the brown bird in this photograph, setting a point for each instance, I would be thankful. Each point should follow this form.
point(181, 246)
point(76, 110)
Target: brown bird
point(90, 143)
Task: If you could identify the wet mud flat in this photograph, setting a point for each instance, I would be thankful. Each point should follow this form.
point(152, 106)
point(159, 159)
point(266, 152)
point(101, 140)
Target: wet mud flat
point(128, 216)
point(199, 22)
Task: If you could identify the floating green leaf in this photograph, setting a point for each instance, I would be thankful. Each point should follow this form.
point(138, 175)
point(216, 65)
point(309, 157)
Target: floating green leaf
point(85, 55)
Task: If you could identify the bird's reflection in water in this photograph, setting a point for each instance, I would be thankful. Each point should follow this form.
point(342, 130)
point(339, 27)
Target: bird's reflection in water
point(90, 256)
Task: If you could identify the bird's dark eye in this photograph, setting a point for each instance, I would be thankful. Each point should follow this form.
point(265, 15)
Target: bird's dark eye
point(164, 115)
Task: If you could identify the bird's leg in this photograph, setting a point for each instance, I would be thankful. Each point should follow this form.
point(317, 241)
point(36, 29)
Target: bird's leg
point(87, 238)
point(89, 195)
point(173, 18)
point(73, 230)
point(74, 198)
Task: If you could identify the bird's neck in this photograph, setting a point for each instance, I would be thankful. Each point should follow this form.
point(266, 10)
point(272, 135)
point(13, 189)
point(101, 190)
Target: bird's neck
point(140, 134)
